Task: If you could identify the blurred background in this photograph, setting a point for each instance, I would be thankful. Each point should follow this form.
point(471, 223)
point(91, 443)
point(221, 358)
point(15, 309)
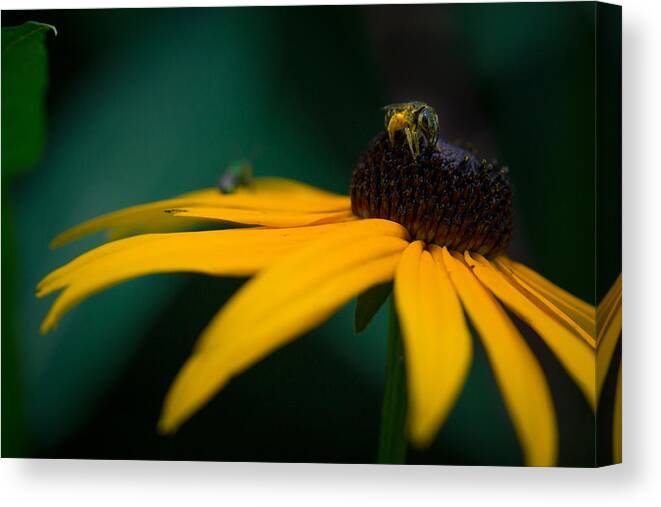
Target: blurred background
point(146, 104)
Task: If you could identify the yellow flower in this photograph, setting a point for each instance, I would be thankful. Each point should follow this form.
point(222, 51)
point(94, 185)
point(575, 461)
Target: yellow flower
point(609, 330)
point(310, 252)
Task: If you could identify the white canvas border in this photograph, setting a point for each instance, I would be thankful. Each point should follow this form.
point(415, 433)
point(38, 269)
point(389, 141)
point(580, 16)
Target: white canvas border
point(636, 482)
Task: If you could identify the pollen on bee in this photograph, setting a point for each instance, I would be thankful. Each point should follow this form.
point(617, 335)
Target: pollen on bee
point(398, 121)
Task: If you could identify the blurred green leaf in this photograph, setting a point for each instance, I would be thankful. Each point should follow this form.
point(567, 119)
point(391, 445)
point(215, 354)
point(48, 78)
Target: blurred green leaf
point(24, 82)
point(368, 304)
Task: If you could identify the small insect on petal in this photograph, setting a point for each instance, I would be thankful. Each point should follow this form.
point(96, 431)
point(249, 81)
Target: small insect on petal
point(238, 174)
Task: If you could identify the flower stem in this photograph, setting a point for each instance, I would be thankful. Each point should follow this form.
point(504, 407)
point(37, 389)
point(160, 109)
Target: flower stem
point(392, 439)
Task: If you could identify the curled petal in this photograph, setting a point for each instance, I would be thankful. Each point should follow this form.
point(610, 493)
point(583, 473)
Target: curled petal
point(274, 194)
point(581, 312)
point(263, 217)
point(610, 329)
point(566, 342)
point(587, 331)
point(605, 305)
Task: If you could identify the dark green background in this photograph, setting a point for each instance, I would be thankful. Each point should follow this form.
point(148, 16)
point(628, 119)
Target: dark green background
point(145, 104)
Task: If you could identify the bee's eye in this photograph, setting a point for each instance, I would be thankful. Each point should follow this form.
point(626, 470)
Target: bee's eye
point(428, 121)
point(424, 118)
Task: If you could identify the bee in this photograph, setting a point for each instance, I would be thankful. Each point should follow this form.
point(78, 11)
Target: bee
point(238, 174)
point(417, 120)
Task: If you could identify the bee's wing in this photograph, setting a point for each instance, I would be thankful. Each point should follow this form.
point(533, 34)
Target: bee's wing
point(401, 105)
point(398, 105)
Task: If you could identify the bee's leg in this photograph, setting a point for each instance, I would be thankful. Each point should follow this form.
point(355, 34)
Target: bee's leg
point(416, 143)
point(412, 142)
point(391, 129)
point(391, 136)
point(423, 140)
point(397, 122)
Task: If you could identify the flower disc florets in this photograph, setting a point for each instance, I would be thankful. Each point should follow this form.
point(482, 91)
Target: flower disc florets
point(445, 196)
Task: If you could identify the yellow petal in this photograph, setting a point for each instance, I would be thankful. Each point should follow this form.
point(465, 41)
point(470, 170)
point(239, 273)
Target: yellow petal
point(237, 252)
point(265, 194)
point(437, 343)
point(617, 420)
point(379, 231)
point(605, 305)
point(519, 375)
point(278, 194)
point(134, 217)
point(293, 189)
point(581, 312)
point(266, 218)
point(585, 328)
point(575, 354)
point(162, 223)
point(281, 303)
point(609, 332)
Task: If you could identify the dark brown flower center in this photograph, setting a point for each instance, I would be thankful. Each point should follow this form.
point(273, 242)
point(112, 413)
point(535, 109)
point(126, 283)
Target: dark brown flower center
point(446, 196)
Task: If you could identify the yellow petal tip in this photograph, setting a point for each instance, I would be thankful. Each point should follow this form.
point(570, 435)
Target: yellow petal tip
point(422, 436)
point(43, 288)
point(46, 326)
point(166, 425)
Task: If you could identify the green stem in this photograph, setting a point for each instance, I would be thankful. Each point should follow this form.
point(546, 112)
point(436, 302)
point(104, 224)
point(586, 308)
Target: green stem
point(392, 439)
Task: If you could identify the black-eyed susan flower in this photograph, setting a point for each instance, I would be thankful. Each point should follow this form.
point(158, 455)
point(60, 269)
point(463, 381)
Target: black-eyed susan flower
point(426, 214)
